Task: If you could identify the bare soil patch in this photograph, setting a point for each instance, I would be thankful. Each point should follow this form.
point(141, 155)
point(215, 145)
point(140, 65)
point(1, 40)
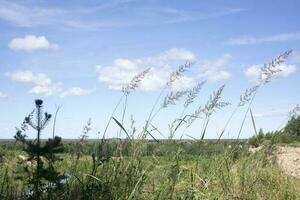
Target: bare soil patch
point(288, 158)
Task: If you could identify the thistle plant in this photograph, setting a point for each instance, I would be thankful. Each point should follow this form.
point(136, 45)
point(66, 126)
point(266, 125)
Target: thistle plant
point(43, 178)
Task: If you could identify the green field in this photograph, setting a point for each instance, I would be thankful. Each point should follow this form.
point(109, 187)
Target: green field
point(154, 170)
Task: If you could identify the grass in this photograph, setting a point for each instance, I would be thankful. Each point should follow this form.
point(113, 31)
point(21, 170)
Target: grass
point(175, 175)
point(137, 168)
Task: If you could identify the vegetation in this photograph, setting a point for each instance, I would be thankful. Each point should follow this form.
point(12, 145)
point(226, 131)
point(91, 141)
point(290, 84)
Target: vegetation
point(40, 178)
point(143, 167)
point(290, 134)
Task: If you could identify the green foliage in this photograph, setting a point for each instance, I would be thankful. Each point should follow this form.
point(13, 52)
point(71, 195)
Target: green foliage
point(257, 140)
point(290, 134)
point(293, 126)
point(230, 173)
point(43, 178)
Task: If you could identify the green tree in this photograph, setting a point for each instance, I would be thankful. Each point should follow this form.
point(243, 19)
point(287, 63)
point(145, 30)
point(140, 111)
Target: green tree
point(44, 179)
point(293, 126)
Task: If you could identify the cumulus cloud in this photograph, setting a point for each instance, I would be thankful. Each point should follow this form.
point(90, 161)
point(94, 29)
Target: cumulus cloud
point(120, 73)
point(253, 73)
point(43, 85)
point(214, 70)
point(26, 76)
point(76, 91)
point(247, 40)
point(30, 43)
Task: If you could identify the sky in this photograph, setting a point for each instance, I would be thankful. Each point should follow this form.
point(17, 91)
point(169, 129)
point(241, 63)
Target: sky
point(79, 55)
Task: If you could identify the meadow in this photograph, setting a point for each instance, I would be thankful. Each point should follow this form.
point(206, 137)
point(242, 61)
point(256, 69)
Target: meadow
point(141, 166)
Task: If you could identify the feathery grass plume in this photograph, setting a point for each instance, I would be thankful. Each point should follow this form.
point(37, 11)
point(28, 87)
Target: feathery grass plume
point(196, 114)
point(172, 97)
point(214, 102)
point(295, 111)
point(192, 94)
point(134, 83)
point(80, 146)
point(246, 97)
point(179, 73)
point(269, 70)
point(86, 129)
point(267, 73)
point(292, 113)
point(173, 77)
point(210, 107)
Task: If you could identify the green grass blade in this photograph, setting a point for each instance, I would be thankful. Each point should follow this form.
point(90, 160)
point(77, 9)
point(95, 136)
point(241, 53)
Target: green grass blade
point(121, 126)
point(152, 137)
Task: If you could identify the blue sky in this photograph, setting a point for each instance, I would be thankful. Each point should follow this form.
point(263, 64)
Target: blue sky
point(79, 54)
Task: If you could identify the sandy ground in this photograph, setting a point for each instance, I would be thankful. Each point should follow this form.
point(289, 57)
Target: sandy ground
point(288, 158)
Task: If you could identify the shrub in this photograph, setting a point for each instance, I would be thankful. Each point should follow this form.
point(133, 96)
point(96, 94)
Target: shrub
point(44, 178)
point(293, 126)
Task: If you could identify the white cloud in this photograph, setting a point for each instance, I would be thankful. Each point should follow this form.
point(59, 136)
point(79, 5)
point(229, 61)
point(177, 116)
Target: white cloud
point(76, 91)
point(30, 43)
point(178, 54)
point(120, 73)
point(2, 95)
point(122, 70)
point(247, 40)
point(214, 70)
point(253, 73)
point(42, 84)
point(48, 90)
point(26, 76)
point(28, 14)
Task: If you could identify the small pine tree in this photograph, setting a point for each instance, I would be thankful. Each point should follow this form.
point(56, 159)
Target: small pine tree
point(44, 178)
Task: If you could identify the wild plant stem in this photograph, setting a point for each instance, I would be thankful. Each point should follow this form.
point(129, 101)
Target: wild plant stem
point(150, 118)
point(54, 121)
point(228, 121)
point(245, 116)
point(117, 105)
